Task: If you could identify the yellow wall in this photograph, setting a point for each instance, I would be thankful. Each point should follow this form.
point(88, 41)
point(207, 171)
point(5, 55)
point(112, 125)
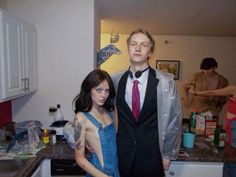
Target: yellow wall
point(118, 62)
point(189, 50)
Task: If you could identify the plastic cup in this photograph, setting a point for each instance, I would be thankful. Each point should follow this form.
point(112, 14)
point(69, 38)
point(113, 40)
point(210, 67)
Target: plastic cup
point(188, 140)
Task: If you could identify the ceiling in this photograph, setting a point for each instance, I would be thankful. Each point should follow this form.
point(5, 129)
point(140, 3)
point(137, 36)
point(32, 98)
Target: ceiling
point(169, 17)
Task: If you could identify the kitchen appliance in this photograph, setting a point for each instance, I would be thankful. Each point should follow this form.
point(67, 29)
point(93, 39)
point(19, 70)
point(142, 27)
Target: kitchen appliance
point(66, 167)
point(58, 126)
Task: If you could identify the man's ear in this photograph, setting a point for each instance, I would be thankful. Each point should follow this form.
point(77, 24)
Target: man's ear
point(149, 54)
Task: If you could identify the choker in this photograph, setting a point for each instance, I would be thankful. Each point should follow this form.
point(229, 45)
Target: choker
point(138, 73)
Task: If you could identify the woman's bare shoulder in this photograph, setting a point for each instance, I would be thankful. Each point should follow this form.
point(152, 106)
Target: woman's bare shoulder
point(80, 117)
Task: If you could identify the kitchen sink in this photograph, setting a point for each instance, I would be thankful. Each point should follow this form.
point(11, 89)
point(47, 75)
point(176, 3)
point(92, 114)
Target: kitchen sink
point(9, 167)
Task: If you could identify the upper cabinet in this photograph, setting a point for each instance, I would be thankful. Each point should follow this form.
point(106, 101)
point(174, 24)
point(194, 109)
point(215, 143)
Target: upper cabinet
point(17, 57)
point(29, 57)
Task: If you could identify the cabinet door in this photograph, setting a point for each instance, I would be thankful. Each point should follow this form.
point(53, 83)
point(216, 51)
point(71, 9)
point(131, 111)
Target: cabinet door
point(44, 169)
point(193, 169)
point(37, 172)
point(29, 53)
point(17, 57)
point(12, 57)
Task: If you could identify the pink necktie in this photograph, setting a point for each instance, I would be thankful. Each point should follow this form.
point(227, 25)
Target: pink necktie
point(135, 100)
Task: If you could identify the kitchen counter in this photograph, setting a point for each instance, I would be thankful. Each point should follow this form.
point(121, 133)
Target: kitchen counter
point(59, 151)
point(203, 152)
point(200, 153)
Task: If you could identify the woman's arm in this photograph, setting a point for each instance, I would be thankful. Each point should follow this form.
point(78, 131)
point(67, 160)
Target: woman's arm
point(80, 139)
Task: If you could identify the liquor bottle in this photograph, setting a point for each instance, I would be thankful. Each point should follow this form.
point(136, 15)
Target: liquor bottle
point(58, 114)
point(193, 120)
point(219, 137)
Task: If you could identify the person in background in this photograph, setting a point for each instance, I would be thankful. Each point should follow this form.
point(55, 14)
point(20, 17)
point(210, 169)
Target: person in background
point(149, 113)
point(230, 118)
point(94, 126)
point(207, 79)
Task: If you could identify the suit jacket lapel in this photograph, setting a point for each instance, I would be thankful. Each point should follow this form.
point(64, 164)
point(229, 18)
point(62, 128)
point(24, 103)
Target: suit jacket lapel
point(121, 92)
point(152, 83)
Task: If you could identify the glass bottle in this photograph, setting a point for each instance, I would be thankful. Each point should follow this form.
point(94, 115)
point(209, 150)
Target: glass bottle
point(219, 137)
point(53, 139)
point(45, 136)
point(193, 120)
point(58, 114)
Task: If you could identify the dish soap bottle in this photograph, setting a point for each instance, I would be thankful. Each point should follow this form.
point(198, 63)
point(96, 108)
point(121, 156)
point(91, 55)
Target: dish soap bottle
point(58, 114)
point(45, 136)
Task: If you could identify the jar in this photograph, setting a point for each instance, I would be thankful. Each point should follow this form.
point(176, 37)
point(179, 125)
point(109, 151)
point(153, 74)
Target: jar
point(45, 136)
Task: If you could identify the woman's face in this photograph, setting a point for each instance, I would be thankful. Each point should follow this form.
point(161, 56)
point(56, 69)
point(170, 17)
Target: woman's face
point(100, 93)
point(139, 48)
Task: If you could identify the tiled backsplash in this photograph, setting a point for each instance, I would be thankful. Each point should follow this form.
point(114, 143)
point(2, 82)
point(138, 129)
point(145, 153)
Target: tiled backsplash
point(5, 113)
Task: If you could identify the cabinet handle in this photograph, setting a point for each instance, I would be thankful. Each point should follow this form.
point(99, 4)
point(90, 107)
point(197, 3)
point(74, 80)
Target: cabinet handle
point(24, 84)
point(27, 86)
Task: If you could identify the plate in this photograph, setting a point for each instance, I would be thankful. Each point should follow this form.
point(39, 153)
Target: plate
point(211, 137)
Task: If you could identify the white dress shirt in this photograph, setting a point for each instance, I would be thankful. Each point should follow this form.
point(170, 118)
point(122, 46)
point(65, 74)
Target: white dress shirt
point(142, 85)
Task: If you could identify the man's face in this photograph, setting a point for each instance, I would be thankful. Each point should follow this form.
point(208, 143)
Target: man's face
point(139, 48)
point(208, 72)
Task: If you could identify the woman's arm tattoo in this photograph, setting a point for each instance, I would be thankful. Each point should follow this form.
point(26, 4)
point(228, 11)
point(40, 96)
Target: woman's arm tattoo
point(78, 129)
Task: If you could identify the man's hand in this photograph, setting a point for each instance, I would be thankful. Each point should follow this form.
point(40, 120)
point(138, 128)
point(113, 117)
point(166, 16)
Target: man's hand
point(166, 164)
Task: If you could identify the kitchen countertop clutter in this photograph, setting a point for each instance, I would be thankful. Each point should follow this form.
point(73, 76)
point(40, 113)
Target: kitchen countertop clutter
point(60, 158)
point(204, 151)
point(60, 150)
point(201, 152)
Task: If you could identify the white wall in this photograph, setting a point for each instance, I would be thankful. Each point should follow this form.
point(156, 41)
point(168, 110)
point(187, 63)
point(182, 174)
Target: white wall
point(190, 50)
point(66, 52)
point(3, 4)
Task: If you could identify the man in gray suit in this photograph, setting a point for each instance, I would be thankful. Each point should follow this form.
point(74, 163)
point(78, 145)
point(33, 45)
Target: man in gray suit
point(147, 141)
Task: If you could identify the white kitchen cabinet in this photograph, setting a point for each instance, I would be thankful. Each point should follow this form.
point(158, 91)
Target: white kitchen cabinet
point(193, 169)
point(17, 57)
point(44, 169)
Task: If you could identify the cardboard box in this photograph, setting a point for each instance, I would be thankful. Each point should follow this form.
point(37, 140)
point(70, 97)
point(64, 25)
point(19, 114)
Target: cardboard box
point(210, 126)
point(200, 125)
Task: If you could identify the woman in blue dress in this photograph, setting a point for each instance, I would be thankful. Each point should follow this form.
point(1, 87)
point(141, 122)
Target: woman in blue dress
point(94, 126)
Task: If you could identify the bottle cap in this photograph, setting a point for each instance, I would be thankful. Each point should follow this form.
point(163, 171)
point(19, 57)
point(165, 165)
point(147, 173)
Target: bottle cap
point(53, 132)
